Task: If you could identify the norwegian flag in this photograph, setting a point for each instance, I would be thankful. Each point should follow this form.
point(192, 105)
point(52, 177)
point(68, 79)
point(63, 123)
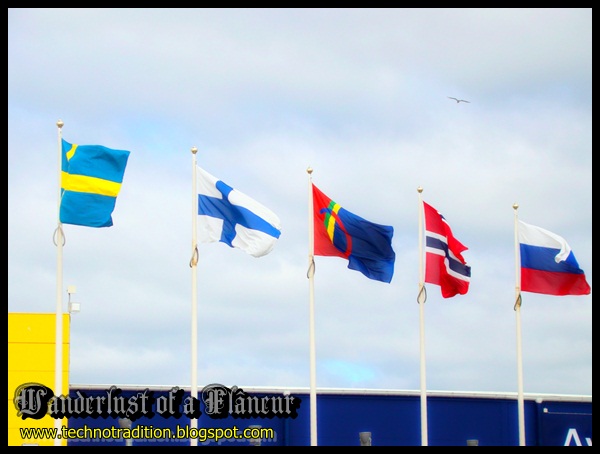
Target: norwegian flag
point(445, 265)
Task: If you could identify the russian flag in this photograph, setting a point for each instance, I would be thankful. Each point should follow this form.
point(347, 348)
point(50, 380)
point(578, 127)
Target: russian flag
point(548, 265)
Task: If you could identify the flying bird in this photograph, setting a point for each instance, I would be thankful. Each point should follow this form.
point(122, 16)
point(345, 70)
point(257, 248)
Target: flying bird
point(458, 100)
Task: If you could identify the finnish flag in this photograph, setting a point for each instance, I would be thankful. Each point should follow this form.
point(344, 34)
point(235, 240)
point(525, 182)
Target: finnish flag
point(230, 216)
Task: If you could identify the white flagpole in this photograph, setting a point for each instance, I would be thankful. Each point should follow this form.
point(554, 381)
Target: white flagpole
point(311, 286)
point(59, 238)
point(193, 266)
point(520, 398)
point(421, 298)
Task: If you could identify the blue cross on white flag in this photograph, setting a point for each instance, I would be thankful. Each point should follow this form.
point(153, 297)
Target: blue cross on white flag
point(229, 216)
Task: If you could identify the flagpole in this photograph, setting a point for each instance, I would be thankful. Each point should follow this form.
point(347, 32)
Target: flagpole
point(311, 286)
point(59, 238)
point(193, 266)
point(520, 398)
point(422, 297)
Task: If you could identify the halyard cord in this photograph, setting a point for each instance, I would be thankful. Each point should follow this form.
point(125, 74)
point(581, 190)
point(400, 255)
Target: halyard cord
point(422, 293)
point(62, 235)
point(194, 259)
point(517, 302)
point(311, 267)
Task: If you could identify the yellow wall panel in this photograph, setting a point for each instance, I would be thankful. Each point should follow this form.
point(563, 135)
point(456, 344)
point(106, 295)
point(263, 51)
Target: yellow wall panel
point(31, 359)
point(17, 378)
point(46, 378)
point(15, 421)
point(37, 328)
point(20, 355)
point(15, 436)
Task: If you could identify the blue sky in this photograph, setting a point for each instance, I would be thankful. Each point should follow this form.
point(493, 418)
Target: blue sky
point(359, 95)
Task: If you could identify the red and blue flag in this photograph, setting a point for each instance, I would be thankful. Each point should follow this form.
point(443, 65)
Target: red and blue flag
point(338, 232)
point(445, 265)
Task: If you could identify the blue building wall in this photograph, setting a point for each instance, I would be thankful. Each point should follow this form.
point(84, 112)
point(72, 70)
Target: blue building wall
point(392, 418)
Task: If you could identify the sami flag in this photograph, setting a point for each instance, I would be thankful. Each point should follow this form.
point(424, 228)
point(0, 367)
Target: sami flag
point(366, 246)
point(233, 218)
point(548, 265)
point(445, 265)
point(91, 179)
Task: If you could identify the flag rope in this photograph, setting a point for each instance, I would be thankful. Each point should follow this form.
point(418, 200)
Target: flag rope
point(517, 302)
point(422, 295)
point(194, 259)
point(62, 235)
point(311, 268)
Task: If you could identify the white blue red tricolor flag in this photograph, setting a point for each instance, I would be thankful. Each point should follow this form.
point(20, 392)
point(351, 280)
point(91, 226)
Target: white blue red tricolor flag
point(548, 265)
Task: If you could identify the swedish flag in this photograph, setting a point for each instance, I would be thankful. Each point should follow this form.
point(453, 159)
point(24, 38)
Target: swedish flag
point(90, 182)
